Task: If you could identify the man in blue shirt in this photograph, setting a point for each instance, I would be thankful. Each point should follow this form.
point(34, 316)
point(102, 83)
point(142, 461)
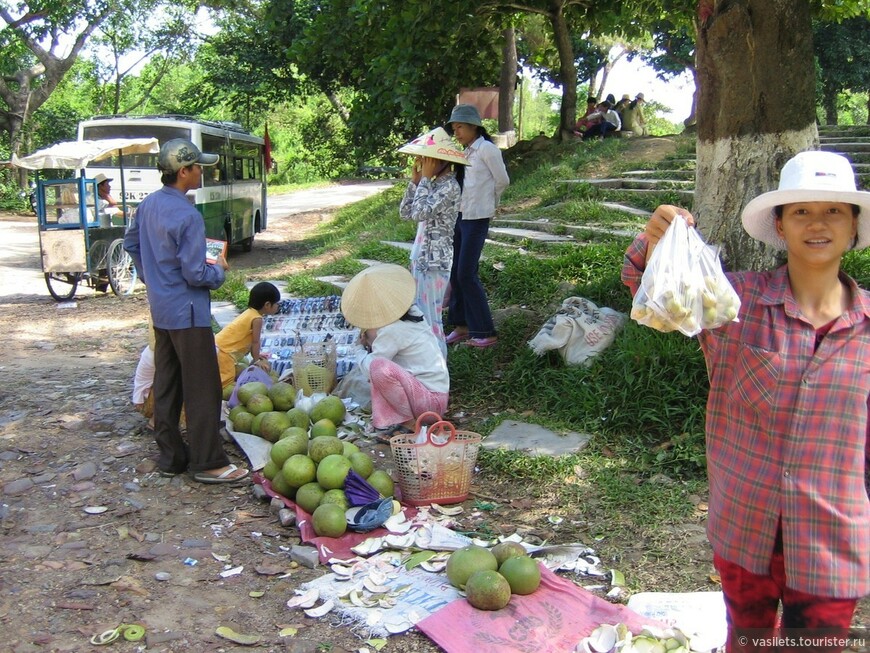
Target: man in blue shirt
point(167, 243)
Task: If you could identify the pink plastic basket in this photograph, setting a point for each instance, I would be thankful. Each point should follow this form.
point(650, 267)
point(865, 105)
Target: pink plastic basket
point(439, 469)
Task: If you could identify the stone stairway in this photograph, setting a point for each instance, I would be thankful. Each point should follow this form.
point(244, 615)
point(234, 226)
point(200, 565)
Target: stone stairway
point(619, 205)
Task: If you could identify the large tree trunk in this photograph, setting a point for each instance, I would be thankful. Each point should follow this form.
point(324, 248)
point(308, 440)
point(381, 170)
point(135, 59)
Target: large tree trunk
point(508, 82)
point(830, 104)
point(755, 111)
point(567, 72)
point(691, 120)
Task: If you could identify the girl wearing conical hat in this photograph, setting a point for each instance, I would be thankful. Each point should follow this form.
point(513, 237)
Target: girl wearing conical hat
point(432, 200)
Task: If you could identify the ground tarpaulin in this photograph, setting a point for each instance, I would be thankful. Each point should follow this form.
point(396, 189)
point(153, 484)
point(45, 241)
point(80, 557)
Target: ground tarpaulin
point(551, 620)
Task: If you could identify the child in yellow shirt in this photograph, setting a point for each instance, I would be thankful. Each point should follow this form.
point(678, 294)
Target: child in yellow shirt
point(242, 336)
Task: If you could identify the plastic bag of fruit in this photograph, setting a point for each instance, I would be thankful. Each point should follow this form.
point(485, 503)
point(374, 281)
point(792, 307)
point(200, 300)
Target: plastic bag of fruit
point(684, 287)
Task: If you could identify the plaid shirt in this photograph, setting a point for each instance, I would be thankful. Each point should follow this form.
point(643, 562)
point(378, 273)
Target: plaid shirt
point(787, 434)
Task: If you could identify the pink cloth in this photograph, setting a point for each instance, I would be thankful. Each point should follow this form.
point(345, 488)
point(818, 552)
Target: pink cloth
point(397, 396)
point(553, 619)
point(484, 98)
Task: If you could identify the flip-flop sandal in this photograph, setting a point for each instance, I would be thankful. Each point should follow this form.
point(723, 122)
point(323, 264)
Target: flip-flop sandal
point(166, 474)
point(384, 436)
point(225, 477)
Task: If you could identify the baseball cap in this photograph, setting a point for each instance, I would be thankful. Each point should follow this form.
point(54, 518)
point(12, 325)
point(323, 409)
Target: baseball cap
point(180, 153)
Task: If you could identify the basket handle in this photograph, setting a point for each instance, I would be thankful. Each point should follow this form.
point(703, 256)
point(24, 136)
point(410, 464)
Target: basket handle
point(429, 414)
point(441, 428)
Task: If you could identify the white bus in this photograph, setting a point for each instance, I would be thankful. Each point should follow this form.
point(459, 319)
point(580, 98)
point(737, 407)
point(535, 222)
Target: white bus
point(232, 198)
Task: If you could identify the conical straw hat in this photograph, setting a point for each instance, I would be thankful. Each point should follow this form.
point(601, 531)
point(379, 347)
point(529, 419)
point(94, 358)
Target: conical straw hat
point(378, 296)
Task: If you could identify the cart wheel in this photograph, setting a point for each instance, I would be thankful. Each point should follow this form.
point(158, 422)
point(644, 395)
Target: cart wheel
point(122, 272)
point(62, 285)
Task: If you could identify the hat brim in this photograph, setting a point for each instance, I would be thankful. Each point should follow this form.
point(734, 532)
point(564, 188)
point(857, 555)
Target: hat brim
point(207, 159)
point(378, 296)
point(445, 154)
point(758, 217)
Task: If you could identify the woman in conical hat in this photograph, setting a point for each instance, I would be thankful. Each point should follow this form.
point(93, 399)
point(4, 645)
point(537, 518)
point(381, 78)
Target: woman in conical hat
point(787, 413)
point(401, 356)
point(432, 200)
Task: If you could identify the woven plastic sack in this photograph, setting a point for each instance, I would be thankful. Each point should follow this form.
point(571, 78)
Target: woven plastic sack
point(684, 287)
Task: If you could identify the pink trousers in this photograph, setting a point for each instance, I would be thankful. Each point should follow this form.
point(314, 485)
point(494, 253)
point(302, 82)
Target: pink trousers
point(397, 395)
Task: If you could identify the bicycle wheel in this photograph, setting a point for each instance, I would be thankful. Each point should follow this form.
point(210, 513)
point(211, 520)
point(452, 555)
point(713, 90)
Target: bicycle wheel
point(122, 272)
point(62, 285)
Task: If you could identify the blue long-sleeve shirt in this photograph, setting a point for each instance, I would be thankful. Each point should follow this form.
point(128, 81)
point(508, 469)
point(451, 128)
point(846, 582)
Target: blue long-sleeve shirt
point(167, 244)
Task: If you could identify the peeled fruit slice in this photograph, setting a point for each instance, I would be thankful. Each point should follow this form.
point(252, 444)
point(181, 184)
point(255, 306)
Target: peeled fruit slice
point(466, 561)
point(487, 590)
point(505, 550)
point(522, 574)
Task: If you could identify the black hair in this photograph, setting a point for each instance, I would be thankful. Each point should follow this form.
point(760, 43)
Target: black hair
point(261, 293)
point(632, 104)
point(168, 178)
point(591, 100)
point(407, 317)
point(481, 130)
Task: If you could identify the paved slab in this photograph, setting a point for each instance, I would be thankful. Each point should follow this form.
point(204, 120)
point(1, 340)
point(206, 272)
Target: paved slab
point(530, 234)
point(512, 435)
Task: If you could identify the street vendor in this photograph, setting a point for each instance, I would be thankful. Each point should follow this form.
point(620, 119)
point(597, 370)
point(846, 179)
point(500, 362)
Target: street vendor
point(787, 412)
point(401, 355)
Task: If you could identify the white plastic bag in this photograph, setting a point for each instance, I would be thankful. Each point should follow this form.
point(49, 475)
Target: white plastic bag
point(684, 287)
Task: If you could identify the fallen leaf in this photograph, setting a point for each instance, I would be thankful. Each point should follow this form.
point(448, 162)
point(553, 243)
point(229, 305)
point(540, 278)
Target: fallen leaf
point(139, 537)
point(73, 605)
point(288, 632)
point(417, 558)
point(238, 638)
point(256, 594)
point(376, 644)
point(141, 557)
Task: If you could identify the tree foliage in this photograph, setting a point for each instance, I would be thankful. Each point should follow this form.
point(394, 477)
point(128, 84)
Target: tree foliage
point(840, 50)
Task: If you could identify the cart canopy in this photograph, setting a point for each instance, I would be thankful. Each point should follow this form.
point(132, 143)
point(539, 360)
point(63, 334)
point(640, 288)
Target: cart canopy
point(72, 155)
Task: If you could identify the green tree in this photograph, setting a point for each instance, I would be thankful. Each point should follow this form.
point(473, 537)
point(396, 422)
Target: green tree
point(840, 50)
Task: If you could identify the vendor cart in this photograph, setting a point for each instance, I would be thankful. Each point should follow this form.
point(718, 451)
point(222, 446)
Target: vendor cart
point(80, 238)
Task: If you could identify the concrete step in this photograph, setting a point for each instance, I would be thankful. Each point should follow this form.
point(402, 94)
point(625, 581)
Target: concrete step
point(685, 194)
point(659, 173)
point(598, 229)
point(621, 183)
point(850, 138)
point(513, 233)
point(846, 147)
point(614, 206)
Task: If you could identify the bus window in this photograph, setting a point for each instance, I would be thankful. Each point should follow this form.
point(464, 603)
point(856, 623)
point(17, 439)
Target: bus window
point(216, 175)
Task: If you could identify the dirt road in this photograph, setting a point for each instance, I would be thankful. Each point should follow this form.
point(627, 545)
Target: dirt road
point(87, 528)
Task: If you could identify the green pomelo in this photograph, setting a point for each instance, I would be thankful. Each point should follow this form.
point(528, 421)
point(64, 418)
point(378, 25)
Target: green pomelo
point(487, 590)
point(286, 447)
point(505, 550)
point(228, 391)
point(348, 448)
point(467, 560)
point(338, 497)
point(308, 496)
point(382, 482)
point(274, 423)
point(255, 423)
point(299, 470)
point(362, 464)
point(299, 417)
point(235, 411)
point(259, 404)
point(270, 469)
point(331, 408)
point(522, 574)
point(295, 431)
point(282, 395)
point(250, 389)
point(243, 422)
point(328, 520)
point(323, 446)
point(282, 487)
point(332, 471)
point(323, 427)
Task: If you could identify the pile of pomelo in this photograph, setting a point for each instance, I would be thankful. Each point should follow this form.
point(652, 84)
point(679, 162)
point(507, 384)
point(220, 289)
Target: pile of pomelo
point(490, 576)
point(308, 463)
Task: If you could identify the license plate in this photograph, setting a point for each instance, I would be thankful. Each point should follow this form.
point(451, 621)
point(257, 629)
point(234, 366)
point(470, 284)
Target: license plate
point(135, 195)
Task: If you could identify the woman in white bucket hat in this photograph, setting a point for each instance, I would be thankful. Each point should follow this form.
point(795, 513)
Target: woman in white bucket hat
point(787, 412)
point(432, 200)
point(485, 181)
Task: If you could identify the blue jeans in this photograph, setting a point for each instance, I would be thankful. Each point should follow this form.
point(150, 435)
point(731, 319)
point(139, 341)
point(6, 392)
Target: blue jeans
point(468, 305)
point(601, 129)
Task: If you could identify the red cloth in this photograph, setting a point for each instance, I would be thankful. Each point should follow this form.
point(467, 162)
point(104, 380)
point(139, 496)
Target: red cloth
point(327, 547)
point(787, 432)
point(484, 99)
point(553, 619)
point(267, 150)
